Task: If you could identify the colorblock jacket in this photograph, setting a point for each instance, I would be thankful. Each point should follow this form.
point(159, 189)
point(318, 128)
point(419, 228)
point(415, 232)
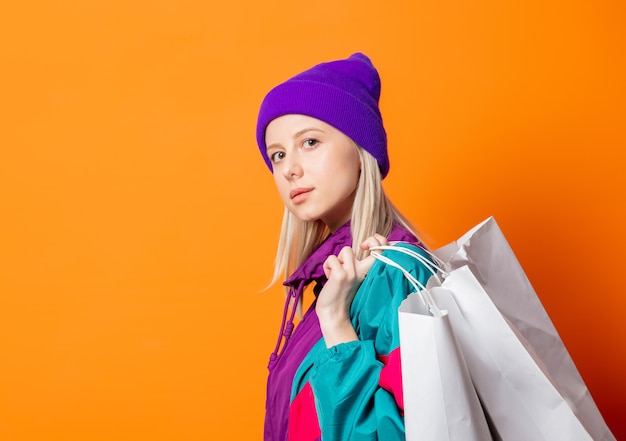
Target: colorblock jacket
point(351, 391)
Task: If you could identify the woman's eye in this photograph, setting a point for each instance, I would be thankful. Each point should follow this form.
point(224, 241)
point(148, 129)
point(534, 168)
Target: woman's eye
point(310, 143)
point(277, 156)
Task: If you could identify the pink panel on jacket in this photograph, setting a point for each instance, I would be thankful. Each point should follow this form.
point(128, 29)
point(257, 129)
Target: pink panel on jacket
point(303, 422)
point(391, 376)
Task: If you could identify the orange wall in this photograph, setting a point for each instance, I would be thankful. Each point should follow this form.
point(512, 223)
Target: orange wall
point(138, 220)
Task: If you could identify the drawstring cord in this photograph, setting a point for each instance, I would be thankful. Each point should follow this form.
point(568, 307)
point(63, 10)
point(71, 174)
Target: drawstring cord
point(286, 326)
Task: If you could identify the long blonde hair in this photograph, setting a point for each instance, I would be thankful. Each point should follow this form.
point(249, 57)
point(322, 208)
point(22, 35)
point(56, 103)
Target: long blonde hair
point(372, 212)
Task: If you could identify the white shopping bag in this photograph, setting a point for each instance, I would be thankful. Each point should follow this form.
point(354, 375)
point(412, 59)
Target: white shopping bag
point(486, 254)
point(440, 403)
point(528, 384)
point(519, 397)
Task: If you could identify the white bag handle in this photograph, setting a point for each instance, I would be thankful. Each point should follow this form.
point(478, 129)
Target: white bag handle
point(431, 265)
point(420, 289)
point(441, 265)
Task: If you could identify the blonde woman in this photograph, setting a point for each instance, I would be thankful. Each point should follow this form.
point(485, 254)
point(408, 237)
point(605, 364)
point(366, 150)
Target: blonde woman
point(337, 375)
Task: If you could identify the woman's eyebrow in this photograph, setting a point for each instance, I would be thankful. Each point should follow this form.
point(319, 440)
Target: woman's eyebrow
point(297, 135)
point(308, 129)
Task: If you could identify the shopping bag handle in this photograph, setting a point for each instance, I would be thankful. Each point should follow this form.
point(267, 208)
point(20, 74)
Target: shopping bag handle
point(420, 289)
point(434, 268)
point(441, 264)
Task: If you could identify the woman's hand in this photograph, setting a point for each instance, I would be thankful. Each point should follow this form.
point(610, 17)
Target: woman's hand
point(345, 274)
point(370, 242)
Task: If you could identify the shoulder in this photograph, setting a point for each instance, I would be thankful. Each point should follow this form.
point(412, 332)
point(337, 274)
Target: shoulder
point(386, 285)
point(403, 256)
point(374, 310)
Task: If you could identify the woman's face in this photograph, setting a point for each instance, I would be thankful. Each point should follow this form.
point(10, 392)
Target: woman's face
point(316, 168)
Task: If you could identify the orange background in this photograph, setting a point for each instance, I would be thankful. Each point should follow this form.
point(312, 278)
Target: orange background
point(139, 223)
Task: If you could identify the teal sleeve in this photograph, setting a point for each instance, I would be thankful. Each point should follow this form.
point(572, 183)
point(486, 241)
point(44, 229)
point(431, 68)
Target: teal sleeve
point(345, 378)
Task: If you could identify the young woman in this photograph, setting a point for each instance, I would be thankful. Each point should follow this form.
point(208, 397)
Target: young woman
point(337, 376)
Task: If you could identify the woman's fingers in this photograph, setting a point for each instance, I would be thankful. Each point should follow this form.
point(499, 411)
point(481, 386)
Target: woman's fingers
point(331, 264)
point(342, 264)
point(346, 257)
point(364, 265)
point(381, 239)
point(345, 265)
point(374, 241)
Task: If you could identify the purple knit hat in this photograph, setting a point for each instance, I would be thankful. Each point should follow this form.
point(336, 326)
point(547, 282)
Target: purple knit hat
point(342, 93)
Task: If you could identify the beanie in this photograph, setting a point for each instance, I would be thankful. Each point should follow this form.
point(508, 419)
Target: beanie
point(342, 93)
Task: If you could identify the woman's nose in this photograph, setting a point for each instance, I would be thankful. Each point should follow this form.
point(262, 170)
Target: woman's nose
point(292, 167)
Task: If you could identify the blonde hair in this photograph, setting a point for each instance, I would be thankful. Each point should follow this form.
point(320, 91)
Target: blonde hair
point(372, 212)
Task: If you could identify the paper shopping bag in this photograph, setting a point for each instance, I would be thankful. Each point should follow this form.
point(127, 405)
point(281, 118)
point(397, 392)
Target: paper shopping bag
point(485, 253)
point(440, 402)
point(520, 398)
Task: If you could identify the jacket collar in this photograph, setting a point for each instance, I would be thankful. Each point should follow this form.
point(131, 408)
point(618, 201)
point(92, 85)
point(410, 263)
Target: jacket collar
point(312, 269)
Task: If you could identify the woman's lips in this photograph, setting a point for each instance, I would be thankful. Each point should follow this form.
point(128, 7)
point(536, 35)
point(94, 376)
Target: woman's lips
point(299, 195)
